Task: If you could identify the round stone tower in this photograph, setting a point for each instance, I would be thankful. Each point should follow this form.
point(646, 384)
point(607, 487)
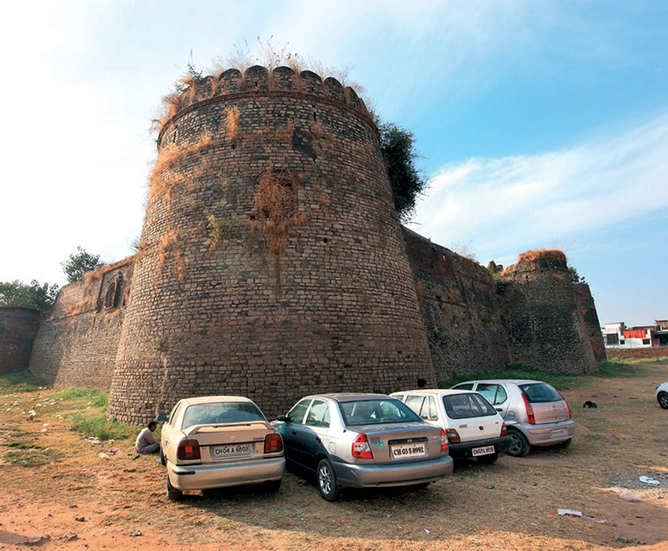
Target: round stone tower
point(271, 262)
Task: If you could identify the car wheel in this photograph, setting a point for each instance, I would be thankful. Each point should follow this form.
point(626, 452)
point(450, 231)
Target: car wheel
point(519, 446)
point(489, 459)
point(173, 493)
point(272, 486)
point(327, 481)
point(662, 398)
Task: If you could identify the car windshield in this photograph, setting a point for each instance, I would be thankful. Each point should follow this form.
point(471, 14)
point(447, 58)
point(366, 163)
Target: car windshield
point(220, 413)
point(540, 392)
point(464, 406)
point(373, 412)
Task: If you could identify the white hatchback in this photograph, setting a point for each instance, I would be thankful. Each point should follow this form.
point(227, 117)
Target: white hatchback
point(474, 428)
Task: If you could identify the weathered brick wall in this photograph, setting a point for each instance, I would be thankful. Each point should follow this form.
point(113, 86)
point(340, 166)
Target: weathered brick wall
point(545, 328)
point(18, 328)
point(77, 343)
point(588, 312)
point(226, 301)
point(460, 309)
point(651, 352)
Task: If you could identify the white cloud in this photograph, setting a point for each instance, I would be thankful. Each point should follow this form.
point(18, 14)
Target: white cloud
point(515, 203)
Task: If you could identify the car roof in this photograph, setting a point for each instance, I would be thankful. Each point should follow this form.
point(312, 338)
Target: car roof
point(515, 381)
point(211, 399)
point(349, 396)
point(436, 391)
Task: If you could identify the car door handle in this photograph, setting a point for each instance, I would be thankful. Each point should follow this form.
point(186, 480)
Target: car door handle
point(294, 432)
point(317, 439)
point(499, 409)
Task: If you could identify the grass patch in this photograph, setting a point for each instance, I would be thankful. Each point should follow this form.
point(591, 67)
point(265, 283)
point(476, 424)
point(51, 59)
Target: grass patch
point(96, 398)
point(31, 457)
point(19, 381)
point(95, 424)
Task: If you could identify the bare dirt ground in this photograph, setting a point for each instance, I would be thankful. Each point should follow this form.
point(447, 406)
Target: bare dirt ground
point(66, 492)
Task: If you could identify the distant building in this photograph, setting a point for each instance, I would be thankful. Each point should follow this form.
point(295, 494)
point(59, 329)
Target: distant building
point(617, 335)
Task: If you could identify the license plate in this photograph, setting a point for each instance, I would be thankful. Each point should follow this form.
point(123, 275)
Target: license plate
point(485, 450)
point(558, 432)
point(231, 450)
point(408, 450)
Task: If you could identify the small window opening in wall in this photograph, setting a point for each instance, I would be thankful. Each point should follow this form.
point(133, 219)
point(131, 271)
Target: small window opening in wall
point(176, 131)
point(315, 117)
point(645, 341)
point(113, 295)
point(325, 240)
point(622, 341)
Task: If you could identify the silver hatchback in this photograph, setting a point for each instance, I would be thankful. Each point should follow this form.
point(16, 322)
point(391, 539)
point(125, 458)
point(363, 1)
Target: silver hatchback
point(362, 441)
point(535, 413)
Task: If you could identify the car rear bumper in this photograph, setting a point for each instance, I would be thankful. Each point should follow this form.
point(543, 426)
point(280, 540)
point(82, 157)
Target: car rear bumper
point(221, 475)
point(544, 435)
point(463, 449)
point(386, 475)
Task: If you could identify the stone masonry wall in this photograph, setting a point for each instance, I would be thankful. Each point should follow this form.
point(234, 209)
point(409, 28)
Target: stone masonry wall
point(545, 328)
point(272, 261)
point(588, 312)
point(77, 343)
point(18, 328)
point(459, 306)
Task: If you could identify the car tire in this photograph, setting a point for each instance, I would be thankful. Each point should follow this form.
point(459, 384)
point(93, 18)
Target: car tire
point(489, 459)
point(662, 398)
point(519, 445)
point(172, 493)
point(326, 479)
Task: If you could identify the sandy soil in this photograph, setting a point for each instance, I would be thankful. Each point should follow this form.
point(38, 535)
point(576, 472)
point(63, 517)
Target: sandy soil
point(90, 495)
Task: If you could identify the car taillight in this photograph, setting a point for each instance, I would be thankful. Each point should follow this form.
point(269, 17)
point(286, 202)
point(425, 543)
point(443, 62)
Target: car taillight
point(453, 436)
point(570, 413)
point(273, 443)
point(188, 450)
point(361, 448)
point(504, 430)
point(530, 415)
point(444, 441)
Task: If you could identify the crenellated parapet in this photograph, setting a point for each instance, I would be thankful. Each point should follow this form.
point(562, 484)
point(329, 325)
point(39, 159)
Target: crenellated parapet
point(257, 80)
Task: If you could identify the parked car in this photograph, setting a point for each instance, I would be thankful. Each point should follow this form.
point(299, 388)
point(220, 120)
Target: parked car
point(474, 428)
point(662, 395)
point(362, 441)
point(536, 414)
point(220, 441)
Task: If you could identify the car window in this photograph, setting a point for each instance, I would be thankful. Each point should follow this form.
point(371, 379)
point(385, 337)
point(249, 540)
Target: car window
point(465, 406)
point(296, 414)
point(415, 403)
point(540, 392)
point(493, 393)
point(385, 410)
point(464, 386)
point(432, 414)
point(174, 413)
point(318, 415)
point(221, 413)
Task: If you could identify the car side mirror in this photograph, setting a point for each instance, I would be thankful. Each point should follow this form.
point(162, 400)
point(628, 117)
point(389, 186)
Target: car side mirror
point(162, 418)
point(282, 417)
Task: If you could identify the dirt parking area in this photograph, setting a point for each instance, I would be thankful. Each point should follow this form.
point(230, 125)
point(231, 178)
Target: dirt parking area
point(61, 490)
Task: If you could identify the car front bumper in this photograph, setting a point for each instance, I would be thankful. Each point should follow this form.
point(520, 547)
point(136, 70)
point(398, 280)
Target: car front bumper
point(388, 474)
point(221, 475)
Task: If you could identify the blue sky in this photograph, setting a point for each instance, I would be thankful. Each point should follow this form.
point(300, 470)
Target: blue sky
point(541, 124)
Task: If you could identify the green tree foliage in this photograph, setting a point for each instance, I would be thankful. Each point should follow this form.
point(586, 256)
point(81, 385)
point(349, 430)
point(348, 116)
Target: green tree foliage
point(575, 277)
point(35, 295)
point(398, 149)
point(78, 264)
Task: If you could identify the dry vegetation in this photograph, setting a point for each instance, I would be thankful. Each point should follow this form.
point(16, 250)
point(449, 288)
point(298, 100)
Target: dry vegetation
point(89, 494)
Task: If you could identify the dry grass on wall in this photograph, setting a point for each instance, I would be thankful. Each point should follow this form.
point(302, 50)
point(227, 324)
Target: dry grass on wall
point(534, 255)
point(232, 123)
point(168, 250)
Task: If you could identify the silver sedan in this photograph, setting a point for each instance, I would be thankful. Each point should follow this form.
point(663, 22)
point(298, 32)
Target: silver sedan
point(362, 441)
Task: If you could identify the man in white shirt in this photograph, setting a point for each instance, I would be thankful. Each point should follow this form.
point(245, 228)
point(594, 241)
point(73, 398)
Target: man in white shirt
point(145, 442)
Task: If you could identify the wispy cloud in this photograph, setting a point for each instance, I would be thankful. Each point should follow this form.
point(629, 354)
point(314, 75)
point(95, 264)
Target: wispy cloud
point(503, 206)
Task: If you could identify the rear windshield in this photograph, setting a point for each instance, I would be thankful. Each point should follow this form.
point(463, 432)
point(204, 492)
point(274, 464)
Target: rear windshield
point(464, 406)
point(373, 412)
point(221, 413)
point(540, 392)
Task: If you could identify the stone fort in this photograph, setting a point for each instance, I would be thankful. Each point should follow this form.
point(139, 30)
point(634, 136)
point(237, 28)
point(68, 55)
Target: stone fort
point(272, 264)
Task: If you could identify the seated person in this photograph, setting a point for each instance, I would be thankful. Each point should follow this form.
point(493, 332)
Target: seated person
point(145, 442)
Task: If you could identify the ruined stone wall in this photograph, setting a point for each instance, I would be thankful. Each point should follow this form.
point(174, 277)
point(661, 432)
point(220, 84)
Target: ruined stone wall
point(545, 328)
point(77, 343)
point(589, 315)
point(460, 309)
point(272, 261)
point(18, 328)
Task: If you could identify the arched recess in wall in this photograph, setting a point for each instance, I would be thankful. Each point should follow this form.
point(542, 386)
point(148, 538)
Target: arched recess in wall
point(112, 294)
